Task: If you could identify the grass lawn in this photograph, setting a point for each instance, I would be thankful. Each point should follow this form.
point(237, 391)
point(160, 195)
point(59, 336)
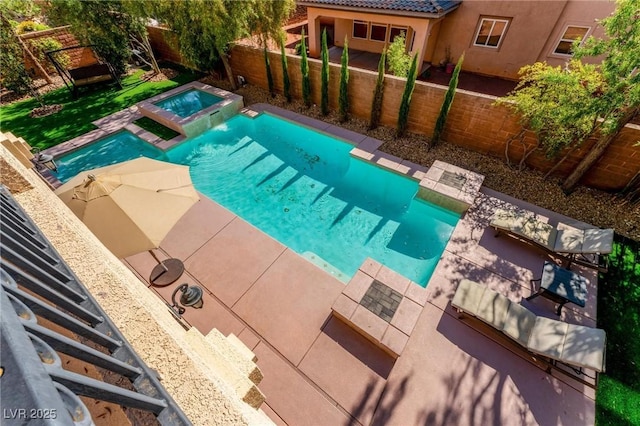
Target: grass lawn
point(77, 114)
point(618, 397)
point(156, 128)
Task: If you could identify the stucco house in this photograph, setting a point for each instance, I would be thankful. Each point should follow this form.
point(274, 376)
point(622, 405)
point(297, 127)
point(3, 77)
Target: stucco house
point(497, 37)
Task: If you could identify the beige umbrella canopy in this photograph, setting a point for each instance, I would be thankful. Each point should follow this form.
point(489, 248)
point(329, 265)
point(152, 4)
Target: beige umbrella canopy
point(131, 206)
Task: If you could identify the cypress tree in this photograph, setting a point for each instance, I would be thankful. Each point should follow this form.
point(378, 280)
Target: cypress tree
point(403, 114)
point(376, 104)
point(286, 83)
point(343, 100)
point(269, 75)
point(446, 103)
point(324, 98)
point(304, 68)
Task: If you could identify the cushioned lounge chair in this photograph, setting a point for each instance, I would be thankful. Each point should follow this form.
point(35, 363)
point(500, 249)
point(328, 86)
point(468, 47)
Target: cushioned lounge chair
point(577, 346)
point(581, 246)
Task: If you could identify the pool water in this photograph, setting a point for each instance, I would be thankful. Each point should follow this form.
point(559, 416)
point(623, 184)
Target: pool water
point(304, 189)
point(187, 103)
point(115, 148)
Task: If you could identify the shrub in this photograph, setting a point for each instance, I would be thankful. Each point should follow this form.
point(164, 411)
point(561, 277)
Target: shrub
point(286, 83)
point(378, 92)
point(29, 27)
point(324, 97)
point(304, 68)
point(403, 114)
point(269, 75)
point(343, 100)
point(42, 45)
point(397, 57)
point(446, 103)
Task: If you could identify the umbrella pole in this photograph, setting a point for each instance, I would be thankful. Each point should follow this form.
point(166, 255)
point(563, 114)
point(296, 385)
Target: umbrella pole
point(166, 272)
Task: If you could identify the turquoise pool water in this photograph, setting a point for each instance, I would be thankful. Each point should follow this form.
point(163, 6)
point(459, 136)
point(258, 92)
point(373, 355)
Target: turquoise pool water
point(185, 104)
point(118, 147)
point(305, 190)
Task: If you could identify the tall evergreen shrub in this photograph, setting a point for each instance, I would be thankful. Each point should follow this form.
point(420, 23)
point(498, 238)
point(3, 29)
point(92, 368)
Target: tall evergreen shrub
point(446, 103)
point(269, 75)
point(324, 98)
point(403, 114)
point(286, 83)
point(343, 99)
point(378, 92)
point(304, 69)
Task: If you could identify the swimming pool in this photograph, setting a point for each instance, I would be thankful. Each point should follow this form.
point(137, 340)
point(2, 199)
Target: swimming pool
point(115, 148)
point(304, 189)
point(187, 103)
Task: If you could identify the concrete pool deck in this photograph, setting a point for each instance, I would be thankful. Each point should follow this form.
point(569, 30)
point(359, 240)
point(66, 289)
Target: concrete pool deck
point(318, 371)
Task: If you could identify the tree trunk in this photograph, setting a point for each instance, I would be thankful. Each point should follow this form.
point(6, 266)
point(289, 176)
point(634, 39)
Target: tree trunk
point(227, 68)
point(596, 152)
point(147, 45)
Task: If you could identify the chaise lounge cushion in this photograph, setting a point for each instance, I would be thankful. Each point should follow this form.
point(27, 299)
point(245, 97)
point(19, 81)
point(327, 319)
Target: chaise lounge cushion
point(547, 337)
point(518, 323)
point(584, 347)
point(468, 296)
point(493, 308)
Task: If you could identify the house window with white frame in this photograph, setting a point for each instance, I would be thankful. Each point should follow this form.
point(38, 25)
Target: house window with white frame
point(378, 32)
point(490, 32)
point(396, 31)
point(360, 29)
point(570, 35)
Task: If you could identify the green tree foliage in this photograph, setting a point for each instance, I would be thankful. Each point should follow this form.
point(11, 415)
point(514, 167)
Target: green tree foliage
point(343, 99)
point(397, 58)
point(205, 29)
point(269, 75)
point(446, 103)
point(567, 106)
point(403, 113)
point(304, 70)
point(324, 97)
point(286, 83)
point(102, 23)
point(560, 121)
point(619, 100)
point(378, 92)
point(14, 75)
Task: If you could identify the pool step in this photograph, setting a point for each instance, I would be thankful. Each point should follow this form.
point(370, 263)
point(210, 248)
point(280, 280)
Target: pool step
point(214, 359)
point(239, 356)
point(326, 266)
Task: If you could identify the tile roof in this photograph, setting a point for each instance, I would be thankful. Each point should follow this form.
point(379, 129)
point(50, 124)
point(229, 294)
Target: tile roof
point(421, 6)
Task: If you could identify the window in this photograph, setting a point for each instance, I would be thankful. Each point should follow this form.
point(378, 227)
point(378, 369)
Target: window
point(490, 32)
point(378, 32)
point(395, 32)
point(360, 29)
point(570, 35)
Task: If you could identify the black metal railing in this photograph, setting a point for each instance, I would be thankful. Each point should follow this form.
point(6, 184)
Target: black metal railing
point(36, 283)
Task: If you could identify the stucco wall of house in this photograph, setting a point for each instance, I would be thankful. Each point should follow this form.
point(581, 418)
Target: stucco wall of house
point(533, 32)
point(344, 24)
point(526, 35)
point(474, 121)
point(576, 13)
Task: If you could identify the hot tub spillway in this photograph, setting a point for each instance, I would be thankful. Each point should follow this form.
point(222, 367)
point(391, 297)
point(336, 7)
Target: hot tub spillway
point(192, 109)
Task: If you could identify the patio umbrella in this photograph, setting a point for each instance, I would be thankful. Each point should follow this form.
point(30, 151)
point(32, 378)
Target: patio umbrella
point(132, 206)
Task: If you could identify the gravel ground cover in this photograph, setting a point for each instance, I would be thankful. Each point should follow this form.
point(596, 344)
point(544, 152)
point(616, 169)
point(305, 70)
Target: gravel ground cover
point(588, 205)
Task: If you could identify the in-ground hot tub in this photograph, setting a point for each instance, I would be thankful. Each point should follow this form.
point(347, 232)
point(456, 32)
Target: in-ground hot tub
point(192, 108)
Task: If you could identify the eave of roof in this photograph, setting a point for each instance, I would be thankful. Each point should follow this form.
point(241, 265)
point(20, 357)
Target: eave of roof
point(420, 8)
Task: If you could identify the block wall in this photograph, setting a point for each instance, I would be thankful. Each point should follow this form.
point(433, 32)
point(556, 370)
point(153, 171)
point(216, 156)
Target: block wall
point(474, 122)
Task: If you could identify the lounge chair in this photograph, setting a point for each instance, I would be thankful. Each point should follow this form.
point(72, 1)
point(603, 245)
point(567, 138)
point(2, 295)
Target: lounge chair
point(577, 346)
point(587, 247)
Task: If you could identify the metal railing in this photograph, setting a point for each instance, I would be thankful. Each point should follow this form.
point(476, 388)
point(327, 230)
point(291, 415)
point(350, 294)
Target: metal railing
point(37, 283)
